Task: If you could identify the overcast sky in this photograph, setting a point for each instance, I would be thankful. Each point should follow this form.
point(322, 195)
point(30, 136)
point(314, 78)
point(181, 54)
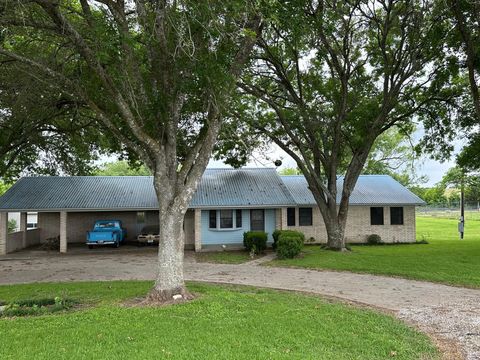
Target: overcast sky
point(433, 169)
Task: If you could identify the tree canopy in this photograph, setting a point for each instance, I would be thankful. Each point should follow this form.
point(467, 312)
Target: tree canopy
point(330, 77)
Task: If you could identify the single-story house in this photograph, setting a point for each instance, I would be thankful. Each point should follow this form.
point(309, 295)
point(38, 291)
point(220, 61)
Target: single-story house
point(227, 203)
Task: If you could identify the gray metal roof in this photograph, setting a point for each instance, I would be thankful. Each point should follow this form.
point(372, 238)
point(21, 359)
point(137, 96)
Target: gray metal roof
point(227, 188)
point(369, 190)
point(242, 187)
point(218, 188)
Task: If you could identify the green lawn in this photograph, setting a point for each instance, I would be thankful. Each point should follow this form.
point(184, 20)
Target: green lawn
point(224, 257)
point(445, 259)
point(224, 322)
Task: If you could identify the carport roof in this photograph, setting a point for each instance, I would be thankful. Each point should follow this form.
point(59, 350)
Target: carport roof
point(219, 188)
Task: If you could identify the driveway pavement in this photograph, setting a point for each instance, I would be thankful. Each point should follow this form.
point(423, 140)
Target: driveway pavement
point(447, 312)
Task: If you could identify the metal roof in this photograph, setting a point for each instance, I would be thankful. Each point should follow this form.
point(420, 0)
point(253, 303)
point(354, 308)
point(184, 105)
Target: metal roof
point(218, 188)
point(369, 190)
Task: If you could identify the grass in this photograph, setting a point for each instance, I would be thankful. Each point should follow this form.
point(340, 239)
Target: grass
point(224, 257)
point(445, 259)
point(224, 322)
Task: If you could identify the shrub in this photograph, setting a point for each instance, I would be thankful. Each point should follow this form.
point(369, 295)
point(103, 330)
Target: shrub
point(289, 246)
point(255, 241)
point(374, 239)
point(35, 307)
point(279, 233)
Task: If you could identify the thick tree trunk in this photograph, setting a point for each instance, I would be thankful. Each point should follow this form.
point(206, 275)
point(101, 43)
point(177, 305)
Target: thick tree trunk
point(335, 226)
point(169, 284)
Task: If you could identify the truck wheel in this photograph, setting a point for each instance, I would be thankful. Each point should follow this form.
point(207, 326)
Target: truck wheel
point(90, 247)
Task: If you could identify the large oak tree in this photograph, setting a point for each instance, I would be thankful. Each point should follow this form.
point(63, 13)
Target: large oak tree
point(156, 75)
point(331, 76)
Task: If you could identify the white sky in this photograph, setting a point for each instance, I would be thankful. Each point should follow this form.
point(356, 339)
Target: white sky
point(432, 168)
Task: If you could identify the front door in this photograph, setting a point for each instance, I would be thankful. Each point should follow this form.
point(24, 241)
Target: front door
point(257, 220)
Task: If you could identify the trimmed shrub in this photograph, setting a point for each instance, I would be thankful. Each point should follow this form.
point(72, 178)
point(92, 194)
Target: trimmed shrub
point(279, 233)
point(289, 246)
point(374, 239)
point(255, 241)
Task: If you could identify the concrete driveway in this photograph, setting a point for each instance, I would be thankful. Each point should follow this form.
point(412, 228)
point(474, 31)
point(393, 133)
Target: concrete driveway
point(445, 312)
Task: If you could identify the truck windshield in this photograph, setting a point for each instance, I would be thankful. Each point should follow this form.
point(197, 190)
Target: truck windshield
point(106, 225)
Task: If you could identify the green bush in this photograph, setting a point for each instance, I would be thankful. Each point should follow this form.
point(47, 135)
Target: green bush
point(289, 246)
point(255, 241)
point(374, 239)
point(35, 307)
point(278, 233)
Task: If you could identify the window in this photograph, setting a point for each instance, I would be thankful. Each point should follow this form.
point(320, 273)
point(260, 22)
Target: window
point(226, 219)
point(212, 223)
point(396, 215)
point(238, 215)
point(376, 216)
point(291, 217)
point(141, 217)
point(305, 216)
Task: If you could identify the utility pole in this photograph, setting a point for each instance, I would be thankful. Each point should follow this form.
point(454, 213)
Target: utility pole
point(461, 224)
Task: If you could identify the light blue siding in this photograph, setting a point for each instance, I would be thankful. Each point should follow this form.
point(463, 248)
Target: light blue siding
point(234, 236)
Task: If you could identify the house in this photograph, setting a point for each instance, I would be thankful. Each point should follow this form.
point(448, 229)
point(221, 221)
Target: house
point(227, 203)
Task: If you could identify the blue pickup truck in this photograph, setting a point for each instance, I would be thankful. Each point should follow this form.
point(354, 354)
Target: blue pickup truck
point(106, 232)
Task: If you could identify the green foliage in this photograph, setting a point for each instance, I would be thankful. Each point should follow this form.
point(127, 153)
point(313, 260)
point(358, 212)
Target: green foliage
point(12, 225)
point(289, 171)
point(277, 234)
point(36, 307)
point(255, 241)
point(4, 187)
point(122, 168)
point(374, 239)
point(289, 246)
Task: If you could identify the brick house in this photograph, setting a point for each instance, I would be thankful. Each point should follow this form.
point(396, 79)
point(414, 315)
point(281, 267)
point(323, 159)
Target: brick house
point(227, 203)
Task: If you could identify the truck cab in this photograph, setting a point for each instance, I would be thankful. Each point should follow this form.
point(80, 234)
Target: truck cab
point(106, 232)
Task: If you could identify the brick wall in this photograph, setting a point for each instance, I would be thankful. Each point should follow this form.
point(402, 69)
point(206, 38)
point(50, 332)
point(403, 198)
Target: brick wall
point(358, 225)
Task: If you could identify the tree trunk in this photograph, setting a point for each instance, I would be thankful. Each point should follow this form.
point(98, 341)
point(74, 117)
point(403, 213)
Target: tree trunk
point(335, 226)
point(169, 284)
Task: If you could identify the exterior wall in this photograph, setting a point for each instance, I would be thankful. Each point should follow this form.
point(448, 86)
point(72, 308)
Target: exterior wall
point(358, 226)
point(234, 236)
point(189, 229)
point(15, 240)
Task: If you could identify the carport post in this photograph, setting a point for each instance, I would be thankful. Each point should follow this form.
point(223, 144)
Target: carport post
point(63, 231)
point(3, 232)
point(23, 228)
point(198, 229)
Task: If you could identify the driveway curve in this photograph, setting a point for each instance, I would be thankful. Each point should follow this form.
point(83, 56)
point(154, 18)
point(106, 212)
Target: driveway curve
point(447, 312)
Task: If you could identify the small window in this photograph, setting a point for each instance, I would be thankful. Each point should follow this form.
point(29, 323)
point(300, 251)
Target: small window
point(141, 217)
point(212, 224)
point(291, 217)
point(238, 215)
point(396, 215)
point(305, 216)
point(376, 216)
point(226, 219)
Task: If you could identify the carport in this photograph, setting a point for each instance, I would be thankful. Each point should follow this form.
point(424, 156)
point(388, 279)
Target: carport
point(68, 207)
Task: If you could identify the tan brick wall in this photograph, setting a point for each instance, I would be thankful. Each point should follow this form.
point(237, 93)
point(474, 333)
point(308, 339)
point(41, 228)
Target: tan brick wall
point(358, 226)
